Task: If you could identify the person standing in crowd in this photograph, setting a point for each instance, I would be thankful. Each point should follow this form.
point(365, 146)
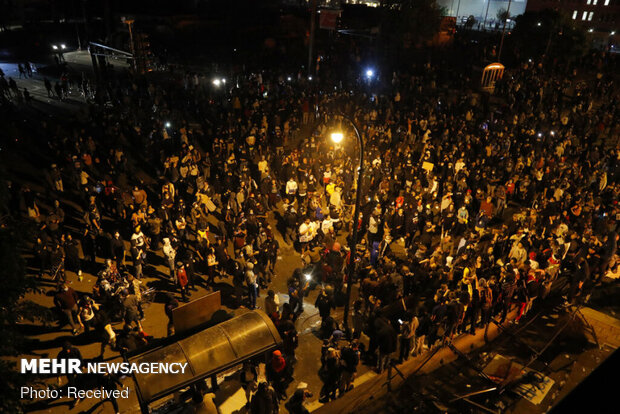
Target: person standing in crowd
point(324, 304)
point(252, 284)
point(277, 374)
point(66, 301)
point(117, 248)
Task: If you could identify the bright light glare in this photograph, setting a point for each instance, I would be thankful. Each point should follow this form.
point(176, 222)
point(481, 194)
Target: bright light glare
point(54, 47)
point(369, 73)
point(613, 33)
point(337, 137)
point(539, 24)
point(168, 124)
point(310, 77)
point(216, 82)
point(63, 46)
point(308, 276)
point(288, 79)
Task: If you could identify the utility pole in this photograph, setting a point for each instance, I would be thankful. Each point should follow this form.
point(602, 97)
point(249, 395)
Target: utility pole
point(313, 4)
point(129, 23)
point(501, 42)
point(484, 25)
point(77, 32)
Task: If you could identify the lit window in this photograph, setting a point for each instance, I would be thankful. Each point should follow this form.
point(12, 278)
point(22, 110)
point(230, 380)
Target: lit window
point(594, 2)
point(590, 16)
point(606, 2)
point(575, 13)
point(584, 16)
point(589, 2)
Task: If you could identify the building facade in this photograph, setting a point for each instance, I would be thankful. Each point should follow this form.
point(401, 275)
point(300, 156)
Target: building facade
point(482, 10)
point(596, 16)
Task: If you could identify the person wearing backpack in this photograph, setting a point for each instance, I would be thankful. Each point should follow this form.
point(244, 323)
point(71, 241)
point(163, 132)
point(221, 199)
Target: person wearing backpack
point(350, 356)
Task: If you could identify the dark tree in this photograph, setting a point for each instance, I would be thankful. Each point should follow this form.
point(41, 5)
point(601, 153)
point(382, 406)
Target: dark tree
point(408, 23)
point(548, 33)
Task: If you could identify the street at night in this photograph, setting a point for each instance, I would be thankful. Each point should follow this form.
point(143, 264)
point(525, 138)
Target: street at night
point(309, 206)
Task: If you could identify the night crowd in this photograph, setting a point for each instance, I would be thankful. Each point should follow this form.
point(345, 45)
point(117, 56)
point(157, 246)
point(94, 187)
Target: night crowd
point(468, 215)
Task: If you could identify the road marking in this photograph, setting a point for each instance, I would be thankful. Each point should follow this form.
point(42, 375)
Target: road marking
point(234, 403)
point(314, 405)
point(365, 377)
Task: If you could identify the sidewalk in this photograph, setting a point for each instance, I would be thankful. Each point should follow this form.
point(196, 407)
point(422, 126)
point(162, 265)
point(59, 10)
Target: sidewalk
point(375, 387)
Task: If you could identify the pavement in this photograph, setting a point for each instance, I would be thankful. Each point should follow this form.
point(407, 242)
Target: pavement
point(77, 63)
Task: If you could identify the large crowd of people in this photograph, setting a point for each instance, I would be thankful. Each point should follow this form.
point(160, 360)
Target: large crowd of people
point(467, 214)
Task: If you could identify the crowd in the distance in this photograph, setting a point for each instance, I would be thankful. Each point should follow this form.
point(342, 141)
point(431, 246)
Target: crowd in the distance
point(466, 214)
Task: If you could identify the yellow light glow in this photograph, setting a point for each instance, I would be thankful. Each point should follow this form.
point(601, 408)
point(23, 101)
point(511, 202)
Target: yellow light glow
point(337, 137)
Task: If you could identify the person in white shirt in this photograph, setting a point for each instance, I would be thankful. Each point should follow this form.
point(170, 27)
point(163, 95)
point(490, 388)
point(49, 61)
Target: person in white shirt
point(307, 231)
point(327, 224)
point(518, 253)
point(458, 166)
point(262, 167)
point(170, 254)
point(138, 239)
point(335, 200)
point(373, 227)
point(291, 190)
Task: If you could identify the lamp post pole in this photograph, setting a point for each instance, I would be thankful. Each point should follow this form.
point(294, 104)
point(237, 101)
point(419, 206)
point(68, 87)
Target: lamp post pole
point(353, 242)
point(313, 5)
point(501, 42)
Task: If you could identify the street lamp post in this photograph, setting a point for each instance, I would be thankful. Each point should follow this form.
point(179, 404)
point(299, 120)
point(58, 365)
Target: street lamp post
point(337, 137)
point(501, 43)
point(129, 23)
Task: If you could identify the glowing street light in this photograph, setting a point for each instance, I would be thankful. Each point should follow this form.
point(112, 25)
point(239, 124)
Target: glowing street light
point(337, 137)
point(54, 47)
point(288, 78)
point(168, 124)
point(370, 73)
point(63, 46)
point(217, 82)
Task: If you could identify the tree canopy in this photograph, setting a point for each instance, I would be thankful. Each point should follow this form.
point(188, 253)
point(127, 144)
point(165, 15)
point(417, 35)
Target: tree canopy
point(548, 32)
point(409, 23)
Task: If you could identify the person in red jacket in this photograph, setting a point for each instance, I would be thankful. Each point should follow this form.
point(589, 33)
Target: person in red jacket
point(66, 300)
point(182, 280)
